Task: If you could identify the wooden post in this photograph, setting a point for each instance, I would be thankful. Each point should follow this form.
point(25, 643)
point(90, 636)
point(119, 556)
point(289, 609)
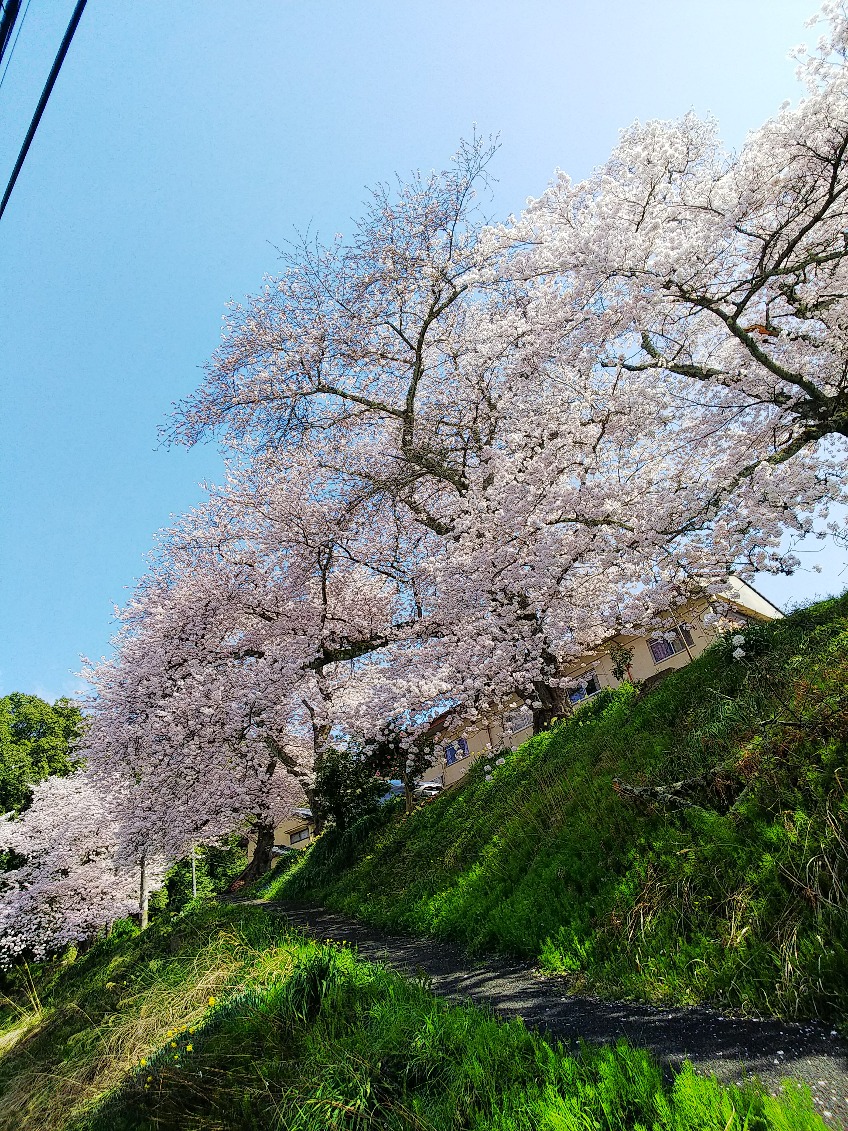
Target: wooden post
point(142, 893)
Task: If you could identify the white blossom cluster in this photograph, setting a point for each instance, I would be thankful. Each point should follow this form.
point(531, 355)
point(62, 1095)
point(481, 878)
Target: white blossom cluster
point(69, 885)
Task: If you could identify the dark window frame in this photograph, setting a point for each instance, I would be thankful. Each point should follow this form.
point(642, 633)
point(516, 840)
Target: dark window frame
point(682, 642)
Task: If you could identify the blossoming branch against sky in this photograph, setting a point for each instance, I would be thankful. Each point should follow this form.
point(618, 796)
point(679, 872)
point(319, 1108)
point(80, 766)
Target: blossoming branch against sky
point(185, 142)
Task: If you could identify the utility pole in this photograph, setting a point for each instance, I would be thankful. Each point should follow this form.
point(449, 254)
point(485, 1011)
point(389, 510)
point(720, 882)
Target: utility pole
point(143, 893)
point(193, 875)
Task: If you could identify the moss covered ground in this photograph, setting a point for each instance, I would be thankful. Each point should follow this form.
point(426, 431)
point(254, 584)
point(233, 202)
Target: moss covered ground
point(740, 899)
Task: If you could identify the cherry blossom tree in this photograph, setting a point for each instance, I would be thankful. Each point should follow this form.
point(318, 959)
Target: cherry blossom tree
point(461, 455)
point(65, 883)
point(720, 278)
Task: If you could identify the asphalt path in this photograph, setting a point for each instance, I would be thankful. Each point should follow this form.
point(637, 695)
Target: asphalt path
point(730, 1048)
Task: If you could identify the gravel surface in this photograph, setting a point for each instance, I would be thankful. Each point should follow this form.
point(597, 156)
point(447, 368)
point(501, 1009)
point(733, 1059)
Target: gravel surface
point(728, 1047)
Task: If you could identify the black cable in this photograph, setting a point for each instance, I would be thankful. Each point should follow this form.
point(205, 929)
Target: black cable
point(14, 45)
point(42, 102)
point(7, 23)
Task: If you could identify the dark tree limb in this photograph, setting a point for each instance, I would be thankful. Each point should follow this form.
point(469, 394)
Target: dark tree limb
point(716, 789)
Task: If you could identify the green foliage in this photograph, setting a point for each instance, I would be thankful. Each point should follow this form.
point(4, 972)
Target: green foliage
point(744, 904)
point(225, 1020)
point(36, 740)
point(215, 868)
point(621, 658)
point(346, 787)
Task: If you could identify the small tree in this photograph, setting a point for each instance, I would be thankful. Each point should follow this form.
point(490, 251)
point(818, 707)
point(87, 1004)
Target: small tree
point(394, 754)
point(346, 787)
point(621, 658)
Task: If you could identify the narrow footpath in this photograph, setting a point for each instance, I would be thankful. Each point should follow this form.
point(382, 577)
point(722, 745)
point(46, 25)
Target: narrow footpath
point(728, 1047)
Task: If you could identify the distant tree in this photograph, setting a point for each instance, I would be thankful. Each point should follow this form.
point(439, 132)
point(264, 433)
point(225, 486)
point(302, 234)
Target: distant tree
point(36, 741)
point(346, 787)
point(65, 883)
point(396, 754)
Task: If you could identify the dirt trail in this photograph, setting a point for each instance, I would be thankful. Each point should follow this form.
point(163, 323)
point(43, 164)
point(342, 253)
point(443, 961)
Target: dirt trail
point(728, 1047)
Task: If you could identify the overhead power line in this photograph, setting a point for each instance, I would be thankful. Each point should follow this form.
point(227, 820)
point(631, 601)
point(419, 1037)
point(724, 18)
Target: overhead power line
point(42, 102)
point(7, 23)
point(10, 54)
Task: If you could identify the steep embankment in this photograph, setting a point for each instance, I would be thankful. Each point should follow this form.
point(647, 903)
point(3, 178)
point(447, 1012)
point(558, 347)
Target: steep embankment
point(226, 1020)
point(740, 898)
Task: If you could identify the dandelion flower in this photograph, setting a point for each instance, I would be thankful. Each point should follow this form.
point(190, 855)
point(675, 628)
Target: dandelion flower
point(142, 1062)
point(189, 1048)
point(212, 1001)
point(173, 1044)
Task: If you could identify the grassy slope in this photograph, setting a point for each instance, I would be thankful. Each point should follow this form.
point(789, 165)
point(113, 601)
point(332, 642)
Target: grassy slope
point(222, 1021)
point(748, 909)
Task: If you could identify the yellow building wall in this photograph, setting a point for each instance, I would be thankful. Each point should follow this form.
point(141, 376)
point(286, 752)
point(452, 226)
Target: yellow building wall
point(282, 836)
point(494, 734)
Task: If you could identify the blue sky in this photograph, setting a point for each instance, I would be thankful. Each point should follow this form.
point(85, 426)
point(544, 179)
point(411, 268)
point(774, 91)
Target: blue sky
point(185, 140)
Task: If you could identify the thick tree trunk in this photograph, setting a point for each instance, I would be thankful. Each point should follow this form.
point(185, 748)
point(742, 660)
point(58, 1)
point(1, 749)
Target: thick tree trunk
point(407, 793)
point(263, 856)
point(555, 704)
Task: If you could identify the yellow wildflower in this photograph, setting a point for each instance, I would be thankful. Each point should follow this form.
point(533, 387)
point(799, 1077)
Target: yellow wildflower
point(142, 1062)
point(212, 1001)
point(189, 1048)
point(173, 1044)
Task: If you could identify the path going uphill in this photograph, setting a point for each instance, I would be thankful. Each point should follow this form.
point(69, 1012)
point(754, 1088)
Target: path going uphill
point(728, 1047)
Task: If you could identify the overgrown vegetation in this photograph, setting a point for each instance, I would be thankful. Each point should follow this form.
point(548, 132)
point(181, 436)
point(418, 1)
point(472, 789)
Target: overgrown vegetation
point(215, 868)
point(223, 1020)
point(736, 893)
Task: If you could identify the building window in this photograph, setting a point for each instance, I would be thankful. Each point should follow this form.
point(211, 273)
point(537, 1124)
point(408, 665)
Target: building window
point(297, 837)
point(520, 720)
point(454, 752)
point(664, 647)
point(584, 691)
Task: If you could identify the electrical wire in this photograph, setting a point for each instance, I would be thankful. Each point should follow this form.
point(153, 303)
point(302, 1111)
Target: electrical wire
point(14, 43)
point(42, 102)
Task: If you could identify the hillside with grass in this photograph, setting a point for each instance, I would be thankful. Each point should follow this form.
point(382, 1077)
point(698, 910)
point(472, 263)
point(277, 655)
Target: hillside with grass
point(222, 1019)
point(688, 844)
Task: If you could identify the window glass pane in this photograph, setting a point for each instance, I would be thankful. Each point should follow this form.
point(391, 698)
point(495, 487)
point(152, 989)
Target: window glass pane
point(450, 755)
point(660, 650)
point(463, 748)
point(687, 635)
point(592, 687)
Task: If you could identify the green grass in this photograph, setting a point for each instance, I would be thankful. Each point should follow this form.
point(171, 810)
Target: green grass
point(745, 907)
point(223, 1020)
